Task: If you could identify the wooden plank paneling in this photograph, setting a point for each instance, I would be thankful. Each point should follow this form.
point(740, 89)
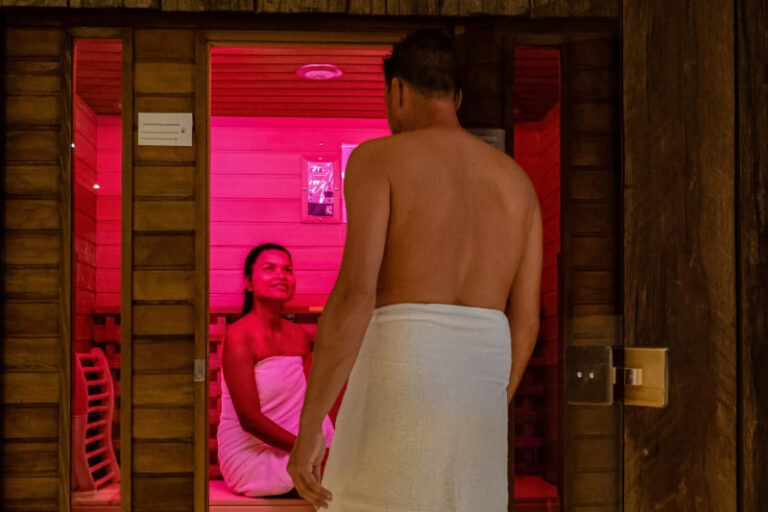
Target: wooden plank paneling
point(165, 182)
point(166, 305)
point(32, 110)
point(752, 249)
point(31, 248)
point(36, 354)
point(164, 44)
point(167, 389)
point(164, 78)
point(30, 422)
point(171, 355)
point(367, 6)
point(34, 457)
point(165, 423)
point(164, 216)
point(31, 180)
point(33, 42)
point(115, 4)
point(152, 250)
point(29, 388)
point(168, 285)
point(32, 146)
point(679, 250)
point(575, 8)
point(163, 319)
point(163, 456)
point(158, 493)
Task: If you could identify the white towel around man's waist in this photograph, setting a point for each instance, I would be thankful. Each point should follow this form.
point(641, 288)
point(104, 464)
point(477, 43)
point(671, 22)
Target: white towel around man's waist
point(423, 423)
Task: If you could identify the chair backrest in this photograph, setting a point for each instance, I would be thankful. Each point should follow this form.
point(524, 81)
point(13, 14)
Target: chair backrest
point(94, 464)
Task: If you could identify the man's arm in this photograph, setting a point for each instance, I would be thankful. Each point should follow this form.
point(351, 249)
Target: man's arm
point(524, 302)
point(350, 306)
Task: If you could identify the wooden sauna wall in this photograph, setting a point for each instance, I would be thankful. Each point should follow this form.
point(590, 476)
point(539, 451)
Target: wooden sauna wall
point(752, 248)
point(167, 292)
point(591, 262)
point(36, 287)
point(679, 250)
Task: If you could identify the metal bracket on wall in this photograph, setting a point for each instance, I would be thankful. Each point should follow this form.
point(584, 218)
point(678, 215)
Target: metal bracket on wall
point(199, 370)
point(600, 375)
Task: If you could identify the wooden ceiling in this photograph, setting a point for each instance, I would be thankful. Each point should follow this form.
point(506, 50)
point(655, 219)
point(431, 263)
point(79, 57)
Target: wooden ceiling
point(98, 74)
point(263, 82)
point(536, 82)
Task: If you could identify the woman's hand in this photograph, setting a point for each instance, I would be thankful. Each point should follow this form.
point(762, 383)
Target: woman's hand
point(304, 466)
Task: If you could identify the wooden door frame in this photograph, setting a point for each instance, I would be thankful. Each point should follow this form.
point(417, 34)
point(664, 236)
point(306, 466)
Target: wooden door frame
point(561, 41)
point(516, 33)
point(206, 40)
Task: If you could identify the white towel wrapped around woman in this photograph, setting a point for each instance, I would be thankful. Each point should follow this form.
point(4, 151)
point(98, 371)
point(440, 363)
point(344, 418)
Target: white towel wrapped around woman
point(423, 423)
point(249, 465)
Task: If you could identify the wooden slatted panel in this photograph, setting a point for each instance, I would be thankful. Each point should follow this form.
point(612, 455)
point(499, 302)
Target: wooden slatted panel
point(590, 266)
point(679, 263)
point(35, 345)
point(752, 234)
point(163, 287)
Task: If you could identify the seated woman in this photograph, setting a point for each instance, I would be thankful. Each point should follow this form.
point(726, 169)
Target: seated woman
point(265, 367)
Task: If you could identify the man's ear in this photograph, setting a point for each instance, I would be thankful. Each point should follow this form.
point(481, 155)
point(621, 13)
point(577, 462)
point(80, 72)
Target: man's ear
point(249, 283)
point(397, 85)
point(457, 99)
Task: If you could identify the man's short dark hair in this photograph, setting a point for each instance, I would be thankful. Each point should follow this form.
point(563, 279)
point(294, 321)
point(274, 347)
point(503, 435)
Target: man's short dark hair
point(427, 60)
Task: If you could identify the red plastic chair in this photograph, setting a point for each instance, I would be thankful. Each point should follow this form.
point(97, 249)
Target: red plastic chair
point(94, 464)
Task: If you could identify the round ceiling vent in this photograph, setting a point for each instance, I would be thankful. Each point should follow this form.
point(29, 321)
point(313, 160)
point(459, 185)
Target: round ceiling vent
point(319, 71)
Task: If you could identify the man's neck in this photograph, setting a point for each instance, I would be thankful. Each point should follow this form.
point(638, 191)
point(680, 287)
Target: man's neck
point(433, 114)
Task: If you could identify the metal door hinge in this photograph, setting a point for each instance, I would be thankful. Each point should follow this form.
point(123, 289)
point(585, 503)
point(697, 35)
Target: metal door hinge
point(200, 370)
point(600, 375)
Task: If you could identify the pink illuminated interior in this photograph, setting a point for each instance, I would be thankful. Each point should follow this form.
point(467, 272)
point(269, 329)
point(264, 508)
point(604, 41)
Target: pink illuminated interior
point(256, 198)
point(266, 121)
point(96, 203)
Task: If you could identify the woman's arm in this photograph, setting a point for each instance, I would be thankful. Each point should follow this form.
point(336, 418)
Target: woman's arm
point(237, 367)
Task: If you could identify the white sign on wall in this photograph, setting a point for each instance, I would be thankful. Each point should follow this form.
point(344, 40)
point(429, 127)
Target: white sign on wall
point(161, 129)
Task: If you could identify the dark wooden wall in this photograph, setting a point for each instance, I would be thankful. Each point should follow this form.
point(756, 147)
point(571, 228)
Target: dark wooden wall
point(36, 271)
point(752, 240)
point(679, 251)
point(531, 8)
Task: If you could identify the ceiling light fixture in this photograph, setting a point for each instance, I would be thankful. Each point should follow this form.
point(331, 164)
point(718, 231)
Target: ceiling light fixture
point(319, 71)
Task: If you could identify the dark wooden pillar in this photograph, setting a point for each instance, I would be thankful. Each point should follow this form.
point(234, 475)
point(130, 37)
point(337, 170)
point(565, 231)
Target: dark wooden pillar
point(679, 250)
point(752, 248)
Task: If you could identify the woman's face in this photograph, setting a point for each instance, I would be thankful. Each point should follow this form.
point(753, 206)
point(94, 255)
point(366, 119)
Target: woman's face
point(272, 276)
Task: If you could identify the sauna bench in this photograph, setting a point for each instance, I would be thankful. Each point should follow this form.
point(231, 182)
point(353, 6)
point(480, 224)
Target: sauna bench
point(221, 499)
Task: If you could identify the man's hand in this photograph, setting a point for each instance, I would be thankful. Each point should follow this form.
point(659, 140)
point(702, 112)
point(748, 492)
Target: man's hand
point(304, 466)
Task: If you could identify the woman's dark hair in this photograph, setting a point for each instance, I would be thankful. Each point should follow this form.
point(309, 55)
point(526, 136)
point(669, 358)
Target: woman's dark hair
point(427, 60)
point(248, 271)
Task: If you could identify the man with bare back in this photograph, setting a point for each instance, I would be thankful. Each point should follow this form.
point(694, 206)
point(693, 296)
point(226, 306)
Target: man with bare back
point(435, 311)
